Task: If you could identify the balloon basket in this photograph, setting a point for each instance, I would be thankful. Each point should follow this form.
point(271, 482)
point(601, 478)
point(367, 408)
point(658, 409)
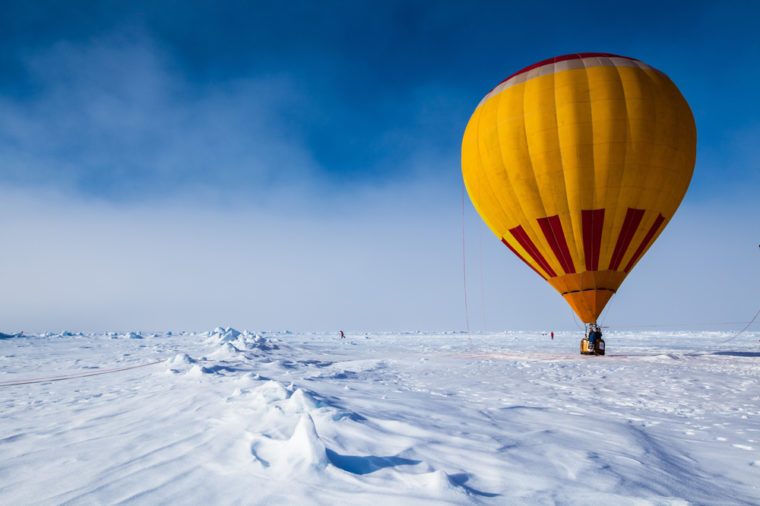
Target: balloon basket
point(586, 348)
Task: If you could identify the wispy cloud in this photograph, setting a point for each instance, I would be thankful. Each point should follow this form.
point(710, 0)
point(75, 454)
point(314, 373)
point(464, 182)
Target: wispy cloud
point(111, 119)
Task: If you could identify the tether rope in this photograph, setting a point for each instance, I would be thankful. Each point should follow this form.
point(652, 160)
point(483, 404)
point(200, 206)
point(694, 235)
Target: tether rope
point(49, 379)
point(464, 271)
point(482, 283)
point(742, 330)
point(575, 320)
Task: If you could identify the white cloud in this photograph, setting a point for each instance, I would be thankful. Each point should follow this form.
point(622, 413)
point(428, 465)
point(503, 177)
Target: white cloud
point(112, 118)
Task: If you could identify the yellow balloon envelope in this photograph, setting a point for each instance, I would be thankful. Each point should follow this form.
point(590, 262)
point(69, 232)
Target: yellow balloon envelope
point(577, 163)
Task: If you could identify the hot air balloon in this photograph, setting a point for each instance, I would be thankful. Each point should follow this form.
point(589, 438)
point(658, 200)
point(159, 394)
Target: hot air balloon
point(577, 163)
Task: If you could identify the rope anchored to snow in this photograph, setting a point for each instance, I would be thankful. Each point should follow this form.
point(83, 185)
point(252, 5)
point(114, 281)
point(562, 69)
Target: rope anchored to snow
point(49, 379)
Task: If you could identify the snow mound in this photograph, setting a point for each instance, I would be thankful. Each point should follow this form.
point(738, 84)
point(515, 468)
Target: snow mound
point(181, 362)
point(252, 341)
point(300, 402)
point(64, 333)
point(195, 371)
point(181, 359)
point(256, 342)
point(198, 371)
point(299, 455)
point(437, 481)
point(304, 449)
point(221, 335)
point(227, 351)
point(250, 379)
point(132, 335)
point(272, 391)
point(243, 341)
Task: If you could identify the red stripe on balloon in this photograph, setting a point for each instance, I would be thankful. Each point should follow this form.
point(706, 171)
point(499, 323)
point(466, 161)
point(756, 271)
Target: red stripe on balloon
point(630, 225)
point(592, 221)
point(645, 242)
point(522, 238)
point(521, 258)
point(551, 226)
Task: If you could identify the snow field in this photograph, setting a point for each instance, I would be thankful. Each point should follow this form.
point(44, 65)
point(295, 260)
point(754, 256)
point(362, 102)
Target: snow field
point(278, 418)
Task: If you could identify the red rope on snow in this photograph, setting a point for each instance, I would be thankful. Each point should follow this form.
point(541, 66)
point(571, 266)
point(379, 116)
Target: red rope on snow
point(49, 379)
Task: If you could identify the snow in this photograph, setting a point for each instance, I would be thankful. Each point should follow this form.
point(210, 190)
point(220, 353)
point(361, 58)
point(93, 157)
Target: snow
point(228, 416)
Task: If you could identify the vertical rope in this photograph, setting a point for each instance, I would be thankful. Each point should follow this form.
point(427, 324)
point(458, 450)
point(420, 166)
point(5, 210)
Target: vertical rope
point(605, 312)
point(482, 283)
point(575, 320)
point(464, 271)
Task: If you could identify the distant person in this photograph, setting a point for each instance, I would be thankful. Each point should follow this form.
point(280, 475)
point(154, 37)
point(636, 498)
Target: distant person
point(342, 335)
point(552, 334)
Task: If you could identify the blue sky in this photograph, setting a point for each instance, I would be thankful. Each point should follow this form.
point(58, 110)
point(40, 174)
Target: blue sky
point(339, 116)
